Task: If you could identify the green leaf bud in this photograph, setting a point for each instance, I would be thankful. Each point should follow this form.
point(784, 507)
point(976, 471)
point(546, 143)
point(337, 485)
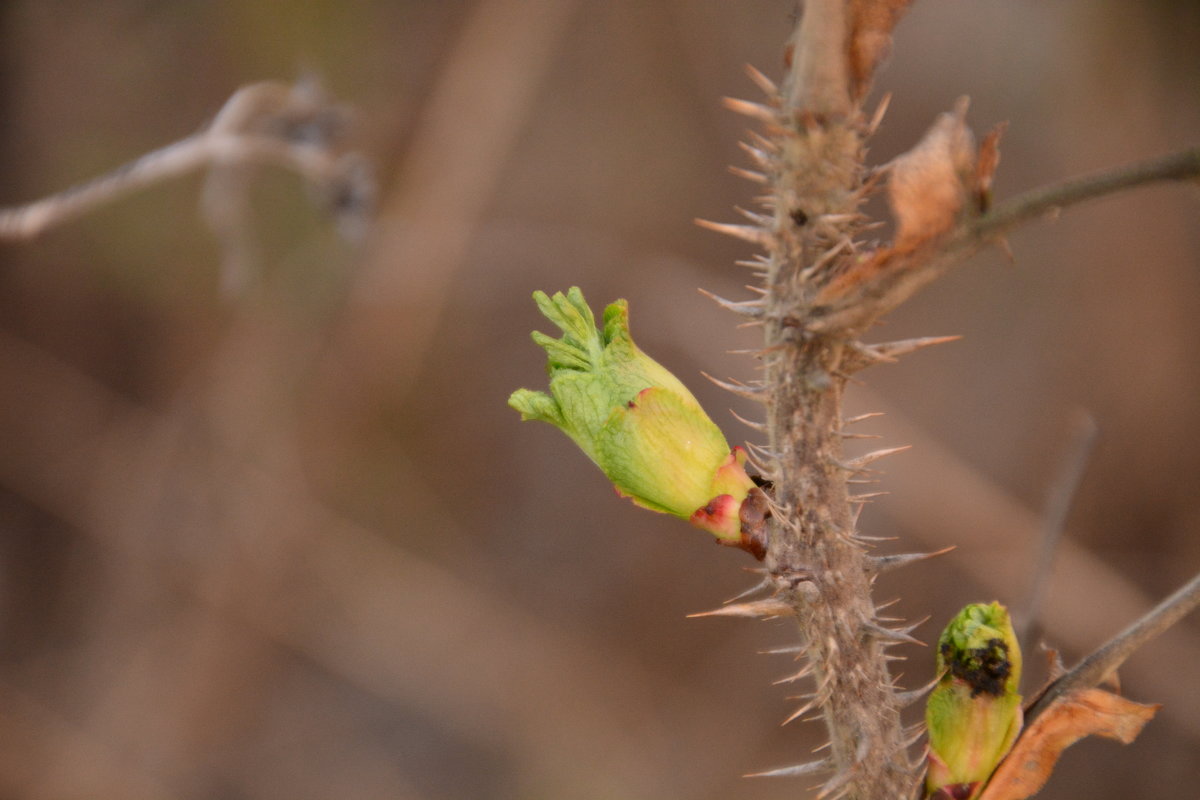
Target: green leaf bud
point(636, 421)
point(974, 713)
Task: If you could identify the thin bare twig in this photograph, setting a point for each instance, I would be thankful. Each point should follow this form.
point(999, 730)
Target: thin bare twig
point(1102, 662)
point(912, 271)
point(268, 123)
point(172, 161)
point(1183, 165)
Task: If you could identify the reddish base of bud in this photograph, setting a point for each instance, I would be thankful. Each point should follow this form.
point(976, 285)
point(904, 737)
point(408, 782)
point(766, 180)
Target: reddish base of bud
point(955, 791)
point(752, 515)
point(717, 517)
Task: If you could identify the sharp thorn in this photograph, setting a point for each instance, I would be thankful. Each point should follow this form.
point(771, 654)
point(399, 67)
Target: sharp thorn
point(877, 117)
point(878, 564)
point(804, 673)
point(899, 635)
point(762, 81)
point(834, 786)
point(865, 497)
point(838, 219)
point(914, 738)
point(762, 220)
point(760, 157)
point(762, 452)
point(750, 109)
point(794, 771)
point(738, 388)
point(758, 262)
point(777, 651)
point(870, 458)
point(747, 308)
point(747, 233)
point(765, 609)
point(825, 258)
point(763, 143)
point(845, 435)
point(905, 699)
point(757, 426)
point(750, 175)
point(891, 351)
point(801, 711)
point(763, 584)
point(862, 417)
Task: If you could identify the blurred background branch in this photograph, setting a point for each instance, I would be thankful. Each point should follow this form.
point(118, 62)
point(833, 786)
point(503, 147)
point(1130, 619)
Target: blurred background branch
point(297, 546)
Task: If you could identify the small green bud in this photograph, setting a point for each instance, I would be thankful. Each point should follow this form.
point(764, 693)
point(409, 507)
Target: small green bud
point(974, 713)
point(636, 421)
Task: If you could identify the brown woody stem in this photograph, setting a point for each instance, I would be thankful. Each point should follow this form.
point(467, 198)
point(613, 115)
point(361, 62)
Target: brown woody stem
point(1103, 661)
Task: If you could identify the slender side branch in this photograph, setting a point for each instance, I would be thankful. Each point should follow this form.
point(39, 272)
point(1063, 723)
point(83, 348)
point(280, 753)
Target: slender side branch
point(902, 272)
point(268, 123)
point(174, 160)
point(1182, 165)
point(1093, 669)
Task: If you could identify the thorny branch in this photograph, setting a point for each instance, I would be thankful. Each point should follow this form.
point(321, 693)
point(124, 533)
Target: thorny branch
point(823, 287)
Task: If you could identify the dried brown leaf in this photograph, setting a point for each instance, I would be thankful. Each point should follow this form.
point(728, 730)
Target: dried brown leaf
point(1085, 712)
point(929, 184)
point(985, 166)
point(870, 40)
point(927, 190)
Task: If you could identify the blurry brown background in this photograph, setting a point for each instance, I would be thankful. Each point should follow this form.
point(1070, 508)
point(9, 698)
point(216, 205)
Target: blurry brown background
point(294, 545)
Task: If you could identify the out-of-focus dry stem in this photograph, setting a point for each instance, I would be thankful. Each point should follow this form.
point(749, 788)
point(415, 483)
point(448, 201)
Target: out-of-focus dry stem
point(1054, 519)
point(268, 123)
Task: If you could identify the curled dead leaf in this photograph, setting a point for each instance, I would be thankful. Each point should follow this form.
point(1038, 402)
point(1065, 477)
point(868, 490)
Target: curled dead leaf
point(1073, 716)
point(930, 183)
point(870, 40)
point(985, 166)
point(928, 191)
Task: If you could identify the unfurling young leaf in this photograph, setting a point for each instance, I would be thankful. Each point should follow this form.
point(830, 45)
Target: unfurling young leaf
point(639, 424)
point(974, 713)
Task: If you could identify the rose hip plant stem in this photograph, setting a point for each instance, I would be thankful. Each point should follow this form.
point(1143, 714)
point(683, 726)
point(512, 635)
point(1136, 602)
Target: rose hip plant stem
point(822, 288)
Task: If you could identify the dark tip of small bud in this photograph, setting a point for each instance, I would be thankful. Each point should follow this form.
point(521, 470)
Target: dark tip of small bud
point(984, 669)
point(799, 217)
point(631, 404)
